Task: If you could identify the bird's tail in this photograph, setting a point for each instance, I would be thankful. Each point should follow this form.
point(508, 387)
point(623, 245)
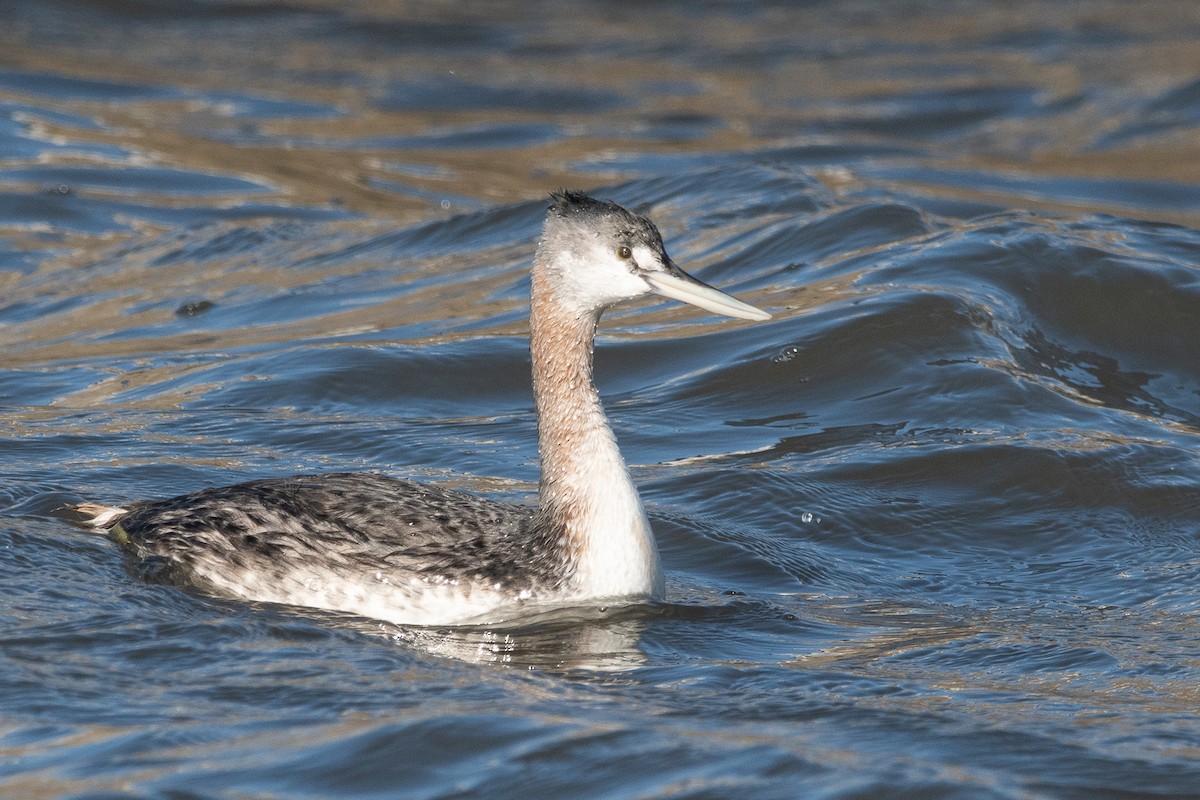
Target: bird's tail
point(99, 516)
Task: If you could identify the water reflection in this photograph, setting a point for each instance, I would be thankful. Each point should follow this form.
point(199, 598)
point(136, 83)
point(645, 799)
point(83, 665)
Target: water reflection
point(573, 644)
point(554, 640)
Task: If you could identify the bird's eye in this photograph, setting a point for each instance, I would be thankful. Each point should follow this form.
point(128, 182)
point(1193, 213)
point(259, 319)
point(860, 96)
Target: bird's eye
point(624, 253)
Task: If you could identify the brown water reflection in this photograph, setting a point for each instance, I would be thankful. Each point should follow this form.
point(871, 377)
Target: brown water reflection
point(394, 109)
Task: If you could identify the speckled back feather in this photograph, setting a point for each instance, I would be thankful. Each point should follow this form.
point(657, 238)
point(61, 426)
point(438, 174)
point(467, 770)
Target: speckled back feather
point(349, 523)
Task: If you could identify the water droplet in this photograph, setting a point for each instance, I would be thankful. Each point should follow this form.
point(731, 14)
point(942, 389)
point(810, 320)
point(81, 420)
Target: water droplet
point(787, 354)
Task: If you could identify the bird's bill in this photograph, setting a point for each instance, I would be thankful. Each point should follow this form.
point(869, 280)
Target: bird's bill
point(683, 287)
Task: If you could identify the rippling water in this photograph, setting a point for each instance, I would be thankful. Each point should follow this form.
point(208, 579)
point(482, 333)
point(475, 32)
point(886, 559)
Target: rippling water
point(930, 532)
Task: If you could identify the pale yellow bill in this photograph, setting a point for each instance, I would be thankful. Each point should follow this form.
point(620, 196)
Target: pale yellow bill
point(689, 290)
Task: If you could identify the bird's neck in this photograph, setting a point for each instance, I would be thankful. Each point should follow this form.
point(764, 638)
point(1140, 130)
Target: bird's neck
point(587, 502)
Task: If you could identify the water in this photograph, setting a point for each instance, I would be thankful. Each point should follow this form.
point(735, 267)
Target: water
point(931, 532)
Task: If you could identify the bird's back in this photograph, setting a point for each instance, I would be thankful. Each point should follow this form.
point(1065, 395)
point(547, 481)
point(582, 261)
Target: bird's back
point(354, 541)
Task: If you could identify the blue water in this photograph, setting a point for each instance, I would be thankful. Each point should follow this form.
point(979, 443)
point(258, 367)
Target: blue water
point(930, 532)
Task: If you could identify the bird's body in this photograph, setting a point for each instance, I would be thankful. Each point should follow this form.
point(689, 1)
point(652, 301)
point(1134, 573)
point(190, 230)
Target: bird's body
point(413, 553)
point(357, 542)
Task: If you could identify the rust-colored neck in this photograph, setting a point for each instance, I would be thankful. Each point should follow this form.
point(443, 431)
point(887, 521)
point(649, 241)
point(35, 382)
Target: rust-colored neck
point(588, 508)
point(571, 422)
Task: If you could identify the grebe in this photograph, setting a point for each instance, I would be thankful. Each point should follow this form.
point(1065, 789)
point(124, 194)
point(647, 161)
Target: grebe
point(409, 553)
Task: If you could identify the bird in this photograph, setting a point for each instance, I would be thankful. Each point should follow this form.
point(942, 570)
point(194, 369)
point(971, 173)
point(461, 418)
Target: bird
point(418, 554)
